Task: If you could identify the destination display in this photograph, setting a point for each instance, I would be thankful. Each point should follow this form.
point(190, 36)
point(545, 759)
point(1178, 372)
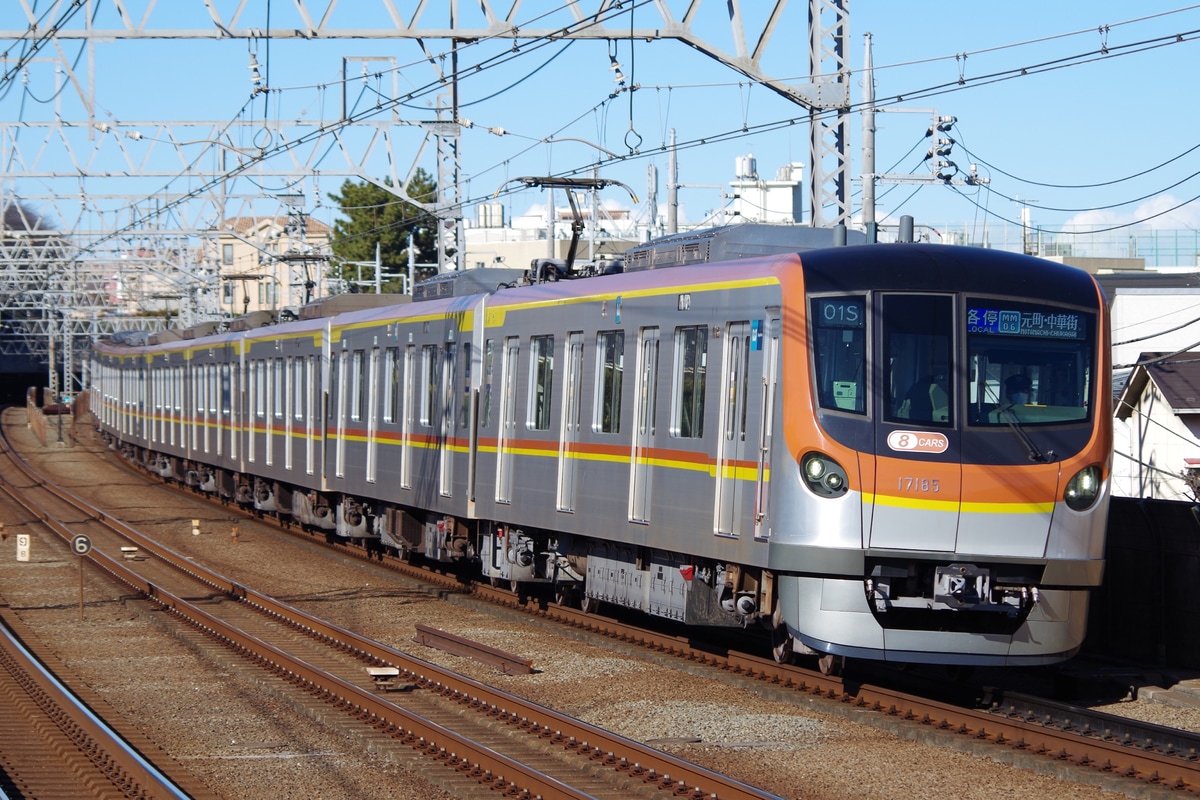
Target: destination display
point(841, 312)
point(1033, 324)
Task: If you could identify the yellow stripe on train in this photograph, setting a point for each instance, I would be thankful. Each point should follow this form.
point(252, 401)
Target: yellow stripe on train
point(922, 504)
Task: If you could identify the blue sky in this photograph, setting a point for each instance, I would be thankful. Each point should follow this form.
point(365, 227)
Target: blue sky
point(1064, 139)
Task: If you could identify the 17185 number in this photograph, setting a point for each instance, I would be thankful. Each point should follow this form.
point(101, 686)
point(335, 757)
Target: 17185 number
point(917, 484)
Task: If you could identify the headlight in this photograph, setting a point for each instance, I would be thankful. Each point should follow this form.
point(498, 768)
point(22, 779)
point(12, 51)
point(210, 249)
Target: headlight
point(1083, 489)
point(823, 475)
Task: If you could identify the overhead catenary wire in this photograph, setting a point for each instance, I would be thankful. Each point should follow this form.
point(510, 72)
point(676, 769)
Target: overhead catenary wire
point(745, 130)
point(280, 148)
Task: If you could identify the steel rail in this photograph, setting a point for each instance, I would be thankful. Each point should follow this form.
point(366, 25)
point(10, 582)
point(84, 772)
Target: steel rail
point(114, 758)
point(466, 756)
point(1125, 759)
point(1176, 771)
point(616, 752)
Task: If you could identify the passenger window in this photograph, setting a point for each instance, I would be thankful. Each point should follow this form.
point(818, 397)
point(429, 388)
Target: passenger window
point(297, 391)
point(260, 389)
point(429, 378)
point(391, 398)
point(465, 419)
point(610, 372)
point(541, 382)
point(358, 385)
point(691, 365)
point(277, 389)
point(489, 358)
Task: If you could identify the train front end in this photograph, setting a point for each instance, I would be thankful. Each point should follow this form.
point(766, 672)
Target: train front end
point(943, 490)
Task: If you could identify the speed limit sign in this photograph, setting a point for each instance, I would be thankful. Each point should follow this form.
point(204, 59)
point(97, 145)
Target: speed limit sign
point(81, 544)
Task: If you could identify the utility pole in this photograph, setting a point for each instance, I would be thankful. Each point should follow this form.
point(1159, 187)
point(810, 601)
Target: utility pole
point(870, 226)
point(672, 187)
point(1027, 242)
point(942, 170)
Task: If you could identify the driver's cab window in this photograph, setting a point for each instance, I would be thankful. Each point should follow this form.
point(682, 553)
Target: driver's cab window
point(1028, 364)
point(839, 327)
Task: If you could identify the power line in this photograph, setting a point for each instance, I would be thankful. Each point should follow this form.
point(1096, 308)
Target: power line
point(1156, 335)
point(745, 131)
point(1169, 161)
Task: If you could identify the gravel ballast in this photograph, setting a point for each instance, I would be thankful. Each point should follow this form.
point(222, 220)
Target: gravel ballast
point(206, 712)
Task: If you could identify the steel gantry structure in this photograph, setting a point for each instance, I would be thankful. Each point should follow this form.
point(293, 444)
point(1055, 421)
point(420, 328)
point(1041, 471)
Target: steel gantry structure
point(85, 204)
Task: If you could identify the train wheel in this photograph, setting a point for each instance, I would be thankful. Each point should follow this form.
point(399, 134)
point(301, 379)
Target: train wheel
point(589, 605)
point(563, 594)
point(782, 650)
point(831, 665)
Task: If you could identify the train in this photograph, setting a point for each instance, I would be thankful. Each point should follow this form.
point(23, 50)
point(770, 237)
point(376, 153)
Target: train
point(895, 452)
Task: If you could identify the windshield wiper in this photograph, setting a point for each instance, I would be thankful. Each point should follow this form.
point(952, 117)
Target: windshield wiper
point(1010, 418)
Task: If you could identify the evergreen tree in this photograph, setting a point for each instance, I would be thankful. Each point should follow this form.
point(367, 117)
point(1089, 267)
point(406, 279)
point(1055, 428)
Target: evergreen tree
point(372, 214)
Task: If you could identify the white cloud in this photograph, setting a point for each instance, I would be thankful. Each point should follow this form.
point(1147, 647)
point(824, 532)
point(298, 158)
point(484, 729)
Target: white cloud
point(1158, 213)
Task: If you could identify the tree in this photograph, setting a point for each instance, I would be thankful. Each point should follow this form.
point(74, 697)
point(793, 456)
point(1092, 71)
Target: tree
point(371, 214)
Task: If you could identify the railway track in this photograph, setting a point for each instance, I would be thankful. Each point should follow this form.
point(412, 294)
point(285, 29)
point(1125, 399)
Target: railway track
point(57, 742)
point(501, 742)
point(1030, 729)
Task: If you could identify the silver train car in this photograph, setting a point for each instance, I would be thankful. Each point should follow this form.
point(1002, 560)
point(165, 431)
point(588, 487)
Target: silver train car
point(891, 452)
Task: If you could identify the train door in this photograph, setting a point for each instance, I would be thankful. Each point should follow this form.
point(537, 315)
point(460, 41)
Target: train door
point(770, 384)
point(446, 426)
point(168, 427)
point(174, 386)
point(312, 406)
point(354, 415)
point(340, 388)
point(508, 420)
point(212, 420)
point(152, 405)
point(918, 478)
point(181, 399)
point(325, 369)
point(254, 411)
point(156, 383)
point(733, 494)
point(236, 387)
point(645, 410)
point(571, 399)
point(203, 419)
point(194, 421)
point(161, 400)
point(293, 407)
point(228, 406)
point(270, 377)
point(140, 404)
point(278, 408)
point(372, 390)
point(406, 428)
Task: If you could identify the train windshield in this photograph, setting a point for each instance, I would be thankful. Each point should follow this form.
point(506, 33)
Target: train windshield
point(1027, 363)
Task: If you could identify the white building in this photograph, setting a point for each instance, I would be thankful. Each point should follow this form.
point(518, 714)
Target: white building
point(1156, 440)
point(777, 201)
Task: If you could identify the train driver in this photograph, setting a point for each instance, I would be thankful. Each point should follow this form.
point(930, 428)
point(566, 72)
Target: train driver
point(1018, 387)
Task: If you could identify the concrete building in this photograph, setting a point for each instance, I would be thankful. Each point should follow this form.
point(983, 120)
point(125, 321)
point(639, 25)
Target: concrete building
point(271, 263)
point(755, 199)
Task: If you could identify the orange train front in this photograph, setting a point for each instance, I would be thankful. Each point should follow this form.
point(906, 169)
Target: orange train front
point(951, 477)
